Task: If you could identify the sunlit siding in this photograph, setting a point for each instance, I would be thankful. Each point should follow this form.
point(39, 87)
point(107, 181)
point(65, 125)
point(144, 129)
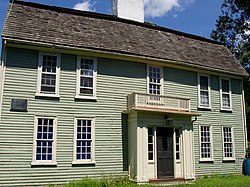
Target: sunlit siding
point(115, 80)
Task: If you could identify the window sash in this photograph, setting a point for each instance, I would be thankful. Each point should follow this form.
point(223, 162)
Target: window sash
point(84, 140)
point(86, 78)
point(44, 140)
point(204, 90)
point(155, 83)
point(205, 142)
point(177, 144)
point(48, 74)
point(228, 147)
point(225, 93)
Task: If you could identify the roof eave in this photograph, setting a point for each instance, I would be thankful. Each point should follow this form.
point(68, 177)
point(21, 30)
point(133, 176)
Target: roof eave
point(119, 53)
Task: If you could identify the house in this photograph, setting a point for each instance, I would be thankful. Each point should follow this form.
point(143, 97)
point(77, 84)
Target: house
point(87, 94)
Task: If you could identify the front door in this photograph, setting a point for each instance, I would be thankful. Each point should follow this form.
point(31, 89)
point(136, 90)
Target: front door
point(165, 164)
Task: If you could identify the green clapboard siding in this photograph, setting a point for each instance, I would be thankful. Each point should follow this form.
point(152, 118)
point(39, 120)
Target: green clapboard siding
point(115, 80)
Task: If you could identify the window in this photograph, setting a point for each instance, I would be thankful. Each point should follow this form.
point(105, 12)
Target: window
point(177, 144)
point(205, 143)
point(228, 149)
point(155, 80)
point(204, 91)
point(225, 93)
point(150, 143)
point(84, 143)
point(48, 74)
point(86, 78)
point(44, 141)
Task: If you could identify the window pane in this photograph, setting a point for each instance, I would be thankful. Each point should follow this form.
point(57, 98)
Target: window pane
point(204, 99)
point(86, 82)
point(225, 85)
point(48, 83)
point(203, 82)
point(225, 100)
point(49, 64)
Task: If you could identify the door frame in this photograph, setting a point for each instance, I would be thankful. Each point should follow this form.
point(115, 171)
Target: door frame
point(174, 148)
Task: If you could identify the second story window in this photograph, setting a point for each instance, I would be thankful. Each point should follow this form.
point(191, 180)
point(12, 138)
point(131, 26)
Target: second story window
point(204, 91)
point(225, 94)
point(155, 80)
point(48, 74)
point(86, 78)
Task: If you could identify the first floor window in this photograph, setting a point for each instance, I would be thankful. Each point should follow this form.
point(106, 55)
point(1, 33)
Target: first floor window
point(228, 142)
point(84, 140)
point(150, 143)
point(44, 140)
point(205, 142)
point(48, 73)
point(86, 77)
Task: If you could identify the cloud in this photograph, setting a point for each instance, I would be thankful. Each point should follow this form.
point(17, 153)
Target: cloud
point(85, 5)
point(159, 8)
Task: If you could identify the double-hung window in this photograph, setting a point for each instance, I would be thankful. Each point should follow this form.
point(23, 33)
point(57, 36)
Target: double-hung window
point(225, 94)
point(206, 153)
point(44, 152)
point(48, 74)
point(86, 78)
point(155, 80)
point(228, 148)
point(204, 91)
point(84, 141)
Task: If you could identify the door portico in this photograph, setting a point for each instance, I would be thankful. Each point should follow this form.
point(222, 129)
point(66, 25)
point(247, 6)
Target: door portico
point(160, 150)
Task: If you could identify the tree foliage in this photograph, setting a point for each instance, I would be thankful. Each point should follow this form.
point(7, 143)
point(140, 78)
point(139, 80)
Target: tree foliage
point(233, 29)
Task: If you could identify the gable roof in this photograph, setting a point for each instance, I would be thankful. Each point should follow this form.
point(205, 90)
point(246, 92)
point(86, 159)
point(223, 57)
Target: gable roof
point(55, 25)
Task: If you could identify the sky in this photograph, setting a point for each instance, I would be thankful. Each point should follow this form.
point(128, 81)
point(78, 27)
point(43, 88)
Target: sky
point(191, 16)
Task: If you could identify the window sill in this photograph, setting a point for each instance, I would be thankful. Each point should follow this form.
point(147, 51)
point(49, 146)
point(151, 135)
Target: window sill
point(228, 159)
point(47, 95)
point(80, 97)
point(205, 107)
point(83, 163)
point(226, 109)
point(35, 163)
point(151, 161)
point(206, 160)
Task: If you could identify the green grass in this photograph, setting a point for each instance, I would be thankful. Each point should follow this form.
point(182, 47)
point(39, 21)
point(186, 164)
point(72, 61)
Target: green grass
point(208, 181)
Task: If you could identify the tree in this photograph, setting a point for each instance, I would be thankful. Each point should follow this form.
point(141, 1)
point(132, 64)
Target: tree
point(233, 29)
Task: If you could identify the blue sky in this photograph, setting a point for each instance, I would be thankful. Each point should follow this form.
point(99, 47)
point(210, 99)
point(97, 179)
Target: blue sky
point(192, 16)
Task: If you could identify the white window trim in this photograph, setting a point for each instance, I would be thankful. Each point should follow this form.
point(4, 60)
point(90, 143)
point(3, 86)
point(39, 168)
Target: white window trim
point(45, 162)
point(87, 161)
point(209, 92)
point(228, 158)
point(161, 81)
point(230, 95)
point(39, 75)
point(211, 159)
point(78, 73)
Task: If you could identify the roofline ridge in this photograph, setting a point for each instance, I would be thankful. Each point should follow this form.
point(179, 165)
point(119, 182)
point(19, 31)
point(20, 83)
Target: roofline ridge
point(115, 18)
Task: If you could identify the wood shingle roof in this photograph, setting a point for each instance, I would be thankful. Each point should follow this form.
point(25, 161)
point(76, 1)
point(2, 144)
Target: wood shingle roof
point(55, 25)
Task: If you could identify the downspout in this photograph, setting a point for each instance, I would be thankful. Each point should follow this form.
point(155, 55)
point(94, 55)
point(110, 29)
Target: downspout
point(244, 116)
point(2, 73)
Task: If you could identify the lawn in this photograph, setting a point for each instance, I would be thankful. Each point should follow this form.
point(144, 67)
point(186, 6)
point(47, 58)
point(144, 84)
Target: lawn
point(213, 181)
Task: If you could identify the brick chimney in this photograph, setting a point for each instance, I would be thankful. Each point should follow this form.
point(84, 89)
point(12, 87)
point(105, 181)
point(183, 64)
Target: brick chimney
point(129, 9)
